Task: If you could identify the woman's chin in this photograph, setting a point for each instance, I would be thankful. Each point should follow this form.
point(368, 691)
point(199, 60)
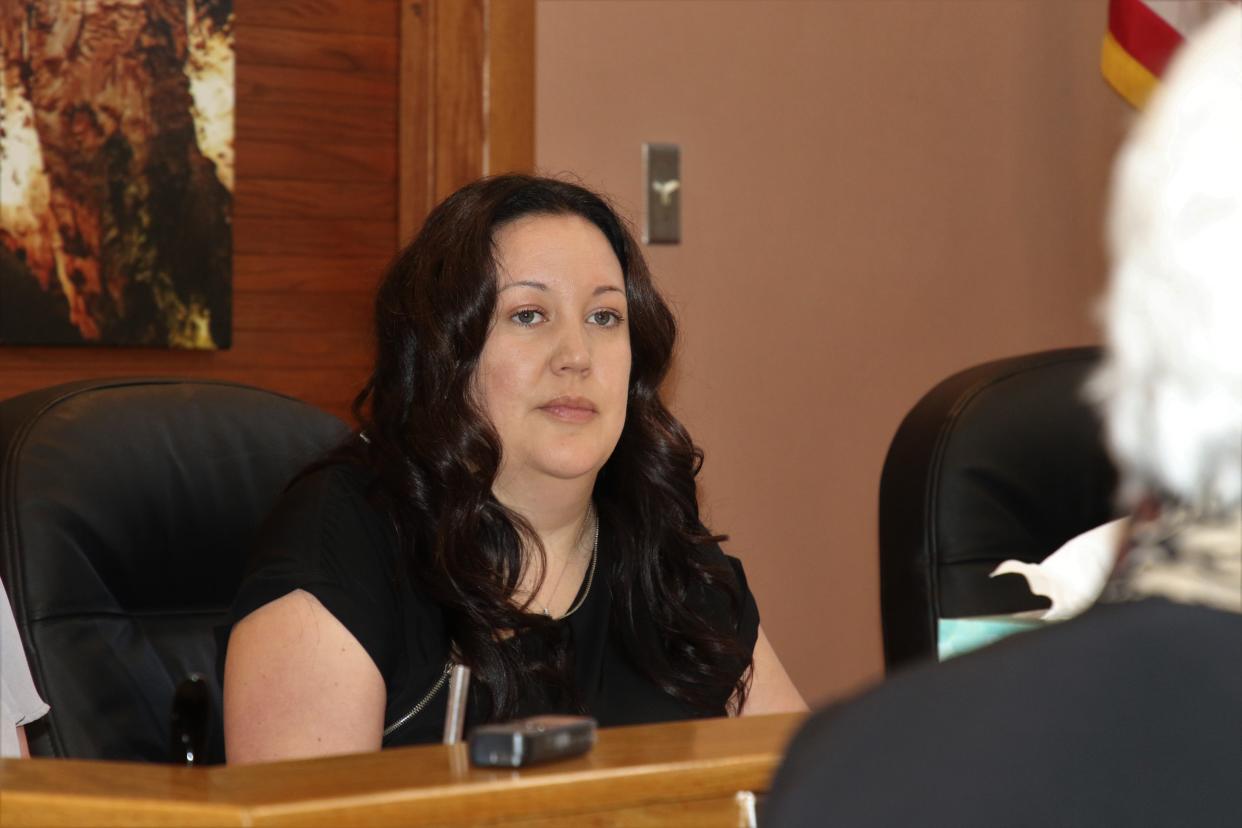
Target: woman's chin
point(572, 467)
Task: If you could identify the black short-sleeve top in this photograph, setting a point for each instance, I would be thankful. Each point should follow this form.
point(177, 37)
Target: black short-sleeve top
point(325, 537)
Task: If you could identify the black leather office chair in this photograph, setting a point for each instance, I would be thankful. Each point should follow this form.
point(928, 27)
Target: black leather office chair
point(1003, 460)
point(127, 507)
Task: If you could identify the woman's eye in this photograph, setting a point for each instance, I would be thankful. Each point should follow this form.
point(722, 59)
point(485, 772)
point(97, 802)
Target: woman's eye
point(605, 318)
point(527, 317)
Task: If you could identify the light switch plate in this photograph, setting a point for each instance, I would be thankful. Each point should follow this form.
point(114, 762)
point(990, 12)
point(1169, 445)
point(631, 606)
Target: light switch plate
point(662, 181)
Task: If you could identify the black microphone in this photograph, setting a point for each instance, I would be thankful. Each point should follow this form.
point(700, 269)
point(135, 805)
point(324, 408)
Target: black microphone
point(191, 716)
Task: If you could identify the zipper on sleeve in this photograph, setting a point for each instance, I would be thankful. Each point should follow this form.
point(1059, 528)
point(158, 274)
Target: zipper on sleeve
point(421, 703)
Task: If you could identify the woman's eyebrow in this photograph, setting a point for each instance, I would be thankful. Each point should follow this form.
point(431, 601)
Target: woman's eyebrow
point(602, 289)
point(524, 283)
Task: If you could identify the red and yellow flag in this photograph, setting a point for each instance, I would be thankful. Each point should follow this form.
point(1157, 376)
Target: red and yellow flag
point(1142, 36)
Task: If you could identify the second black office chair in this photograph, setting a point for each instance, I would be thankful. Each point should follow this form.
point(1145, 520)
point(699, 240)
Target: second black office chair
point(1003, 460)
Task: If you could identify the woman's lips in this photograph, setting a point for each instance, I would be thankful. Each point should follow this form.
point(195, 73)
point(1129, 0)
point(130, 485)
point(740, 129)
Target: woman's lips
point(569, 409)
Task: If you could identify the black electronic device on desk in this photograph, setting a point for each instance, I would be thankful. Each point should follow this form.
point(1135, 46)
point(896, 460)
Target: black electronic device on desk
point(525, 742)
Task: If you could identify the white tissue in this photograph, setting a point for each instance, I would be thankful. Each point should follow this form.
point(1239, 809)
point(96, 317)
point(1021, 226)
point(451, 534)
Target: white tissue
point(1073, 576)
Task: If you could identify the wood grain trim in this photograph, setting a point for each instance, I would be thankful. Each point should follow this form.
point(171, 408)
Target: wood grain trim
point(566, 796)
point(259, 85)
point(288, 122)
point(467, 98)
point(373, 17)
point(509, 140)
point(349, 198)
point(290, 273)
point(341, 51)
point(39, 810)
point(457, 88)
point(317, 159)
point(414, 108)
point(252, 351)
point(361, 240)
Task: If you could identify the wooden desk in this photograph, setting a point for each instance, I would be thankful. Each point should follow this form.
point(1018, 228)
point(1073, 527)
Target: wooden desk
point(685, 774)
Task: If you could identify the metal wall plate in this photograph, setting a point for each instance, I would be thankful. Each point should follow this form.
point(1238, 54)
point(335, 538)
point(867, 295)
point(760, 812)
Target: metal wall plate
point(662, 182)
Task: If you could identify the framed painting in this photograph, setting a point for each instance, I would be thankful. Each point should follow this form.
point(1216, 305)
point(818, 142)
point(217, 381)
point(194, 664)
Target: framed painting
point(116, 173)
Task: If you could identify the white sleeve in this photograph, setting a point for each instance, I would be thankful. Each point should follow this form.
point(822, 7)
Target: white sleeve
point(20, 703)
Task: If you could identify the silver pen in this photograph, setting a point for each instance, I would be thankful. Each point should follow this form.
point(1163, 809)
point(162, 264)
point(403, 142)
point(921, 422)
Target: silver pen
point(455, 712)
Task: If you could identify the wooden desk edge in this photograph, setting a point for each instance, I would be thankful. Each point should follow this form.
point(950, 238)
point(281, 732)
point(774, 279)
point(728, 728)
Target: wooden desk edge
point(522, 799)
point(213, 797)
point(41, 809)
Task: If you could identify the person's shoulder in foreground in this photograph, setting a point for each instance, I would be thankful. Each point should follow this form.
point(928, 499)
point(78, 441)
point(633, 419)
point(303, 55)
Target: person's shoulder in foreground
point(1128, 715)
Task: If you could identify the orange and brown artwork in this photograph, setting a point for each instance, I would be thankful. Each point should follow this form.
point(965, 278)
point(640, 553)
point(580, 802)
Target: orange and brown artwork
point(116, 172)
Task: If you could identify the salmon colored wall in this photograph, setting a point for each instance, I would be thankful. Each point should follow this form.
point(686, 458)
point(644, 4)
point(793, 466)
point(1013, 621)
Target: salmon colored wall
point(874, 196)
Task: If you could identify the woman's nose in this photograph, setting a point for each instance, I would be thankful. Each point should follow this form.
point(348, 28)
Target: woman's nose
point(572, 352)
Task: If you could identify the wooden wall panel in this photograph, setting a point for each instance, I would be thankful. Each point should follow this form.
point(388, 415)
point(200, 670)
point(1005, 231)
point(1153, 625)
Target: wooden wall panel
point(457, 94)
point(367, 241)
point(331, 122)
point(300, 273)
point(373, 17)
point(467, 98)
point(262, 84)
point(339, 130)
point(414, 119)
point(346, 51)
point(349, 198)
point(330, 347)
point(510, 140)
point(316, 158)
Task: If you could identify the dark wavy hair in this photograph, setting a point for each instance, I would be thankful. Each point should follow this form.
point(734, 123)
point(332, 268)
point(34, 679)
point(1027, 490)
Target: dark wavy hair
point(435, 456)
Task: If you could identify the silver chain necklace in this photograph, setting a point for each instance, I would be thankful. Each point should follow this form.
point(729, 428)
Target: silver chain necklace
point(590, 579)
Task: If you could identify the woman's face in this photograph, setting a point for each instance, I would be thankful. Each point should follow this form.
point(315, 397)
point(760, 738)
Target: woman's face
point(554, 374)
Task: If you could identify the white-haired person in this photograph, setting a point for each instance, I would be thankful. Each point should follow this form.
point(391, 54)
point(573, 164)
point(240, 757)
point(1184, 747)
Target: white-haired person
point(1130, 714)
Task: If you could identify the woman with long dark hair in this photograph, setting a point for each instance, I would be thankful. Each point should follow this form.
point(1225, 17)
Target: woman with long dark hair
point(516, 499)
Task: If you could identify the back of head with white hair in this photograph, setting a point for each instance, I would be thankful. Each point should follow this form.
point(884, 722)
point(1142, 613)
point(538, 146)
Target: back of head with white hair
point(1171, 384)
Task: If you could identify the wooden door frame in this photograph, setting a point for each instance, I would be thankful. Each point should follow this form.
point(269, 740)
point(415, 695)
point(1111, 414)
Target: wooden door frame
point(467, 98)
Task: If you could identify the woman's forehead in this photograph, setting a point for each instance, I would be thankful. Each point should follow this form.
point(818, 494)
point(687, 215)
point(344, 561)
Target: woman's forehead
point(550, 252)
